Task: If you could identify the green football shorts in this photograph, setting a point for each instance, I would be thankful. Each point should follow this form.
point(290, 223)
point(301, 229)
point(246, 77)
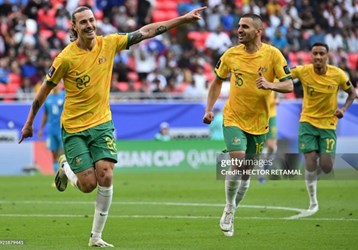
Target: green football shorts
point(84, 148)
point(239, 140)
point(311, 138)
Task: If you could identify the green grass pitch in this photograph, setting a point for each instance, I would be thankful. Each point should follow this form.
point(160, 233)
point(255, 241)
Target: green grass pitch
point(178, 211)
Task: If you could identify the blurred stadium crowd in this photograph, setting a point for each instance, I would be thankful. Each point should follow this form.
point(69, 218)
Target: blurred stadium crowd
point(178, 64)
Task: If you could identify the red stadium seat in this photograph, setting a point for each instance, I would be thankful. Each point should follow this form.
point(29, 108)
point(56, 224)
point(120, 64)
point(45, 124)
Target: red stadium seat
point(61, 34)
point(239, 3)
point(44, 33)
point(122, 86)
point(15, 79)
point(208, 67)
point(199, 38)
point(304, 56)
point(160, 15)
point(3, 88)
point(167, 5)
point(137, 85)
point(293, 59)
point(183, 86)
point(12, 88)
point(133, 76)
point(353, 60)
point(209, 76)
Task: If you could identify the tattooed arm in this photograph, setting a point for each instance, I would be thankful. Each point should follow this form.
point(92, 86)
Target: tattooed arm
point(40, 98)
point(154, 29)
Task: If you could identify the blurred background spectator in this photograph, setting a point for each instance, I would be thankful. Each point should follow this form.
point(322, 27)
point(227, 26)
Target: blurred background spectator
point(163, 134)
point(33, 32)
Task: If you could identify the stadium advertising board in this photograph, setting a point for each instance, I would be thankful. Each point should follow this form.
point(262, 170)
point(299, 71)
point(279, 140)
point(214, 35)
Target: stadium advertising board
point(186, 155)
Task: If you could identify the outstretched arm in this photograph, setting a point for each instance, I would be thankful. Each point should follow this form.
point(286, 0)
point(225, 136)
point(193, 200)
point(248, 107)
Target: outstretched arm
point(27, 130)
point(154, 29)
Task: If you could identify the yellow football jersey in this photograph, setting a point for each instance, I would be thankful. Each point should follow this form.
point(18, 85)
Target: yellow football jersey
point(247, 106)
point(273, 112)
point(320, 94)
point(87, 77)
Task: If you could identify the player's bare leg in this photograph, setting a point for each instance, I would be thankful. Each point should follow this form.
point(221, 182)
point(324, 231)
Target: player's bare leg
point(104, 173)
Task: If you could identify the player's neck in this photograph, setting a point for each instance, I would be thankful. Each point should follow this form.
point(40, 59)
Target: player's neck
point(320, 71)
point(86, 45)
point(253, 47)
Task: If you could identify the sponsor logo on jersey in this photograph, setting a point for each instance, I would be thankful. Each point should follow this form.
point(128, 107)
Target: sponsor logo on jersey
point(51, 71)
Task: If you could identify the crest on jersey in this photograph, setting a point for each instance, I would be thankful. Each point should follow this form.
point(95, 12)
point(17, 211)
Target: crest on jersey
point(262, 69)
point(102, 59)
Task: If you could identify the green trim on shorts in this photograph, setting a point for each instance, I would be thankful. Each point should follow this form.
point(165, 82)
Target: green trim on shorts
point(238, 140)
point(311, 138)
point(272, 134)
point(85, 148)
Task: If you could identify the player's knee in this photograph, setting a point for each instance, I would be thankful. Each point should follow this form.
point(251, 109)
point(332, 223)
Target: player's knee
point(327, 168)
point(88, 186)
point(105, 177)
point(326, 164)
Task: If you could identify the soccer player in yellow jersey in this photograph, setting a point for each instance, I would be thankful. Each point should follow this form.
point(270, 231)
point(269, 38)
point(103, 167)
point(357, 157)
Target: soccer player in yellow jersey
point(252, 67)
point(85, 66)
point(320, 113)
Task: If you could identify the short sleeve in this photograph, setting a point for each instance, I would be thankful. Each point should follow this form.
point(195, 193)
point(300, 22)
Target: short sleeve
point(57, 70)
point(295, 71)
point(344, 82)
point(221, 70)
point(282, 70)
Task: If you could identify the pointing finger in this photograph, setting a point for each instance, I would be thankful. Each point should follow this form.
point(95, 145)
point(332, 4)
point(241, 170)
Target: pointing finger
point(21, 139)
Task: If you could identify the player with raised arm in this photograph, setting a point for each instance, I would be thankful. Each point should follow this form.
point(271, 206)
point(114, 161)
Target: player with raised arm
point(85, 66)
point(320, 113)
point(253, 67)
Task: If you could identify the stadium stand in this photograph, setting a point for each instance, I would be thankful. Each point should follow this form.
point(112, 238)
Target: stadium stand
point(30, 29)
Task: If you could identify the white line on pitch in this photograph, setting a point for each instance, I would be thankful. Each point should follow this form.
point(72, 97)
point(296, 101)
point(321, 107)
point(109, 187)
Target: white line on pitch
point(154, 203)
point(168, 217)
point(302, 213)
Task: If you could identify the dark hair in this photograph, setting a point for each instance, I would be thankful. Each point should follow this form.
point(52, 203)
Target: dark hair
point(320, 44)
point(256, 18)
point(252, 16)
point(73, 33)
